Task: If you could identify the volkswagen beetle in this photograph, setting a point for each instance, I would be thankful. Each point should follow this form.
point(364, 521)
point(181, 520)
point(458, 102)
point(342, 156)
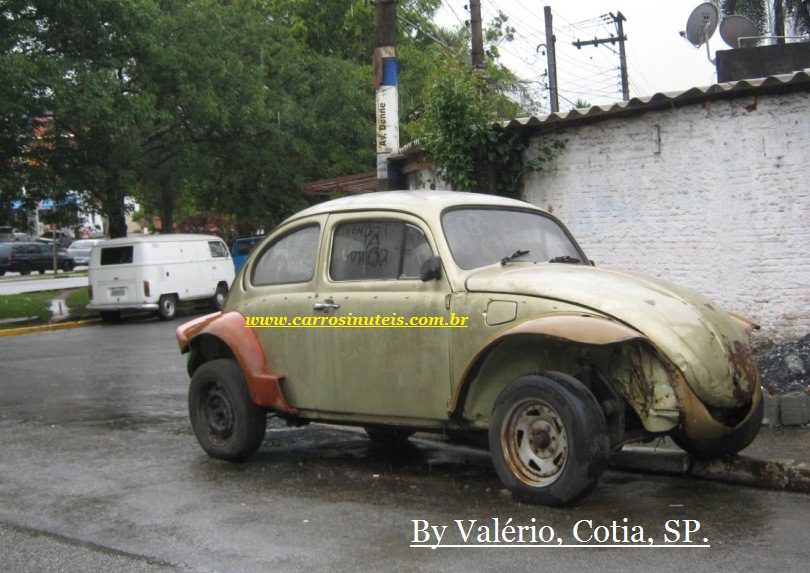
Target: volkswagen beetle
point(458, 312)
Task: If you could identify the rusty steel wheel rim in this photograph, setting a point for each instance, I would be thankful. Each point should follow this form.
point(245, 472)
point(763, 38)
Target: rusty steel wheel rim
point(218, 414)
point(535, 442)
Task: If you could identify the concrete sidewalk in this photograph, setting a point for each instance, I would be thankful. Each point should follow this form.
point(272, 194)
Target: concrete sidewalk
point(779, 458)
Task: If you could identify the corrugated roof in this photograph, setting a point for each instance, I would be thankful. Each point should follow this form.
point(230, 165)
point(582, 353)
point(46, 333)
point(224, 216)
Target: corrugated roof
point(772, 84)
point(347, 185)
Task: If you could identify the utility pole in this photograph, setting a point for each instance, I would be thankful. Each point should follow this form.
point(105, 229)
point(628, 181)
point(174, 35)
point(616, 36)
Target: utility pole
point(551, 55)
point(385, 83)
point(477, 35)
point(617, 20)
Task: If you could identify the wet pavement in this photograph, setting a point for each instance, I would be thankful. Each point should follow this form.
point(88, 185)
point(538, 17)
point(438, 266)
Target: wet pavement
point(99, 471)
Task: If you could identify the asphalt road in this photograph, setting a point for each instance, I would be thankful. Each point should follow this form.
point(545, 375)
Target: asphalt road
point(99, 471)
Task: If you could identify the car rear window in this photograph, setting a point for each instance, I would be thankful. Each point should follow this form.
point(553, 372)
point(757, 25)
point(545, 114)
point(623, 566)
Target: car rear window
point(116, 255)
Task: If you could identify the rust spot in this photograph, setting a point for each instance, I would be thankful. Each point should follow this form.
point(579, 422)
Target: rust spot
point(746, 375)
point(751, 107)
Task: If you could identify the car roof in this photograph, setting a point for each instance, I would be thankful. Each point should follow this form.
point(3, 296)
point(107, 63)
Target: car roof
point(170, 238)
point(80, 242)
point(417, 202)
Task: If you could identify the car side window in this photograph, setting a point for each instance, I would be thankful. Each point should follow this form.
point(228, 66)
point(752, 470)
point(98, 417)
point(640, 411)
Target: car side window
point(290, 259)
point(377, 250)
point(218, 249)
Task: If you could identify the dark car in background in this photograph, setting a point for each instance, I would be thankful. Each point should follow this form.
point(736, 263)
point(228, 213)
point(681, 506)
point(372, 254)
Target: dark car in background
point(23, 257)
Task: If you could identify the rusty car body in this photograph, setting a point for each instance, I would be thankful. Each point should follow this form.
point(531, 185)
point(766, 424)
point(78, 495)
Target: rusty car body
point(560, 362)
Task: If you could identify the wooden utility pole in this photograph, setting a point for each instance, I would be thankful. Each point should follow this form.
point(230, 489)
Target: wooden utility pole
point(477, 35)
point(551, 55)
point(385, 82)
point(617, 20)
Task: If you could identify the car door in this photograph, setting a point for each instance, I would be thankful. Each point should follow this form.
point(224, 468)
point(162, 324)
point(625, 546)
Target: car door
point(42, 256)
point(280, 282)
point(372, 362)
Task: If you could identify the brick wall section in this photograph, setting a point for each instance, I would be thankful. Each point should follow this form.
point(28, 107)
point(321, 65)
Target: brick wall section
point(721, 205)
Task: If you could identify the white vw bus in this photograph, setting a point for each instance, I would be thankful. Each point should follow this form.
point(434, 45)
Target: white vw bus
point(156, 272)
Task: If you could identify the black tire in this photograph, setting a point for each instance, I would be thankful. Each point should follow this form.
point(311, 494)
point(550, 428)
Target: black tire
point(25, 269)
point(227, 424)
point(388, 437)
point(167, 307)
point(727, 445)
point(567, 450)
point(110, 316)
point(220, 296)
point(41, 271)
point(2, 273)
point(67, 266)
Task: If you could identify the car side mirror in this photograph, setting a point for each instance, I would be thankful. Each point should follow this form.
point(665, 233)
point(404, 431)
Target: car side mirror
point(431, 269)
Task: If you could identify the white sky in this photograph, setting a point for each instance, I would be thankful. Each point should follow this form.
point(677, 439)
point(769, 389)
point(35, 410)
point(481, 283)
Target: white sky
point(658, 58)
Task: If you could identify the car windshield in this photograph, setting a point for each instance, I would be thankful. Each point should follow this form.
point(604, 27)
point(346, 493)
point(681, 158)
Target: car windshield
point(480, 236)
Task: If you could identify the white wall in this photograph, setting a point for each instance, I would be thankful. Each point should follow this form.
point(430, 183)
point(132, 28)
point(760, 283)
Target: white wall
point(721, 206)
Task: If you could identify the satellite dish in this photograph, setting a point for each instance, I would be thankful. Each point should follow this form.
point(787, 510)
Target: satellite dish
point(735, 27)
point(701, 24)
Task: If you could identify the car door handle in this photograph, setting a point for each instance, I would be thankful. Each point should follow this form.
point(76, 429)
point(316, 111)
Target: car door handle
point(326, 305)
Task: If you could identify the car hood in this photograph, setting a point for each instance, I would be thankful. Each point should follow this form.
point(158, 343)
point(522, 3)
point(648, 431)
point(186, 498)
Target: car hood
point(707, 344)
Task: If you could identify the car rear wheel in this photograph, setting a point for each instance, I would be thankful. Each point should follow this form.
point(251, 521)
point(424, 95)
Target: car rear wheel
point(218, 300)
point(548, 439)
point(226, 423)
point(25, 269)
point(733, 442)
point(167, 307)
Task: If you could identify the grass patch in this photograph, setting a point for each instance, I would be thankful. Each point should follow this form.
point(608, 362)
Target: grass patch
point(77, 302)
point(26, 305)
point(77, 298)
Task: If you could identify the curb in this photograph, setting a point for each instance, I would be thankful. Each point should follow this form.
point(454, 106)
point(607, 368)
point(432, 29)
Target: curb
point(791, 409)
point(48, 327)
point(782, 474)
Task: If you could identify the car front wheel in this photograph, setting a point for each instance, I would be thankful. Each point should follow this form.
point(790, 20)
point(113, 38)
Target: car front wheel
point(227, 424)
point(548, 439)
point(726, 445)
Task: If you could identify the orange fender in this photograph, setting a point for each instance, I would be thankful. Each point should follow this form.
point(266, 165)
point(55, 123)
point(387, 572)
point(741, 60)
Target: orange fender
point(263, 385)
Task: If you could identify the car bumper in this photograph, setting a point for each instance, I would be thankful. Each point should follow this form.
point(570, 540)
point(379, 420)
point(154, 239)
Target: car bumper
point(123, 306)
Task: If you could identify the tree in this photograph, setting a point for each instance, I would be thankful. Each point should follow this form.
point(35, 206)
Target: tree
point(458, 129)
point(796, 13)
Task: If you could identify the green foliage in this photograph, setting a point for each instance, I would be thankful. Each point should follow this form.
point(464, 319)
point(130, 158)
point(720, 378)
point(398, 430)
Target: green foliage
point(194, 106)
point(457, 130)
point(27, 305)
